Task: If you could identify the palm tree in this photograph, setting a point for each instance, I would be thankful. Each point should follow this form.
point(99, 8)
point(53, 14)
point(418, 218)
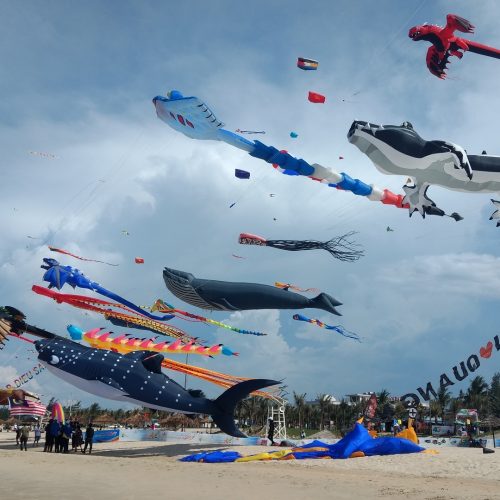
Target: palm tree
point(300, 403)
point(443, 398)
point(477, 394)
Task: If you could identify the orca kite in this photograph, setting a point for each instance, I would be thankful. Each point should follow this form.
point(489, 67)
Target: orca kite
point(399, 150)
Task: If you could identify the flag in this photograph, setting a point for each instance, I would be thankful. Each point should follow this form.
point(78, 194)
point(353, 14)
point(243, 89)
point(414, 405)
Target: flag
point(26, 407)
point(307, 64)
point(371, 407)
point(316, 98)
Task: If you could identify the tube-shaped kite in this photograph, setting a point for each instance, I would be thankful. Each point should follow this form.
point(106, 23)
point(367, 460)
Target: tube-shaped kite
point(193, 118)
point(125, 344)
point(339, 247)
point(337, 328)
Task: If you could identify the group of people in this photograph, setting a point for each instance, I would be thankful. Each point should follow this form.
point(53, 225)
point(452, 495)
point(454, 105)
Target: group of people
point(57, 436)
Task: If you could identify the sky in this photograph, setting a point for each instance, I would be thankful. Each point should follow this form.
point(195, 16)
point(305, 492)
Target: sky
point(77, 83)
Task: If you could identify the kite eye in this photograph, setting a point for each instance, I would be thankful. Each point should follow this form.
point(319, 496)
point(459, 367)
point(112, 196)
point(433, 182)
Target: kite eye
point(54, 360)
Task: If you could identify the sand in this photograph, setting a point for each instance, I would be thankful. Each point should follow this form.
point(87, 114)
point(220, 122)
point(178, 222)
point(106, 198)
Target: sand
point(151, 470)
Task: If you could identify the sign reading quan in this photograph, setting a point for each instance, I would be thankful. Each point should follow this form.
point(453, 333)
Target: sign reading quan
point(458, 373)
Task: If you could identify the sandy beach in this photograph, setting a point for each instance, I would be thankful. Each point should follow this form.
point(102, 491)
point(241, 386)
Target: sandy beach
point(140, 470)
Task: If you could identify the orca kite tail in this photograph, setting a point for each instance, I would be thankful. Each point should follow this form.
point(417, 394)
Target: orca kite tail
point(327, 303)
point(227, 401)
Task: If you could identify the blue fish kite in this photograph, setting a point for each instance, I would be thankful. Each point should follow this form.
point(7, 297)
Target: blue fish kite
point(193, 118)
point(57, 276)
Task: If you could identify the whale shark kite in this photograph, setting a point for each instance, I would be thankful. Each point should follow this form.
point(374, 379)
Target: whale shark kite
point(399, 150)
point(229, 296)
point(135, 377)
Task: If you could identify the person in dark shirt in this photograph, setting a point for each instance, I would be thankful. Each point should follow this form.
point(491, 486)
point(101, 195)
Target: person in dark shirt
point(66, 432)
point(49, 439)
point(77, 438)
point(89, 436)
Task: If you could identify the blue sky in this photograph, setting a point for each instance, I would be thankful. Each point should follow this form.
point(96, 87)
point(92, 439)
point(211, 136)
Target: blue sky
point(78, 83)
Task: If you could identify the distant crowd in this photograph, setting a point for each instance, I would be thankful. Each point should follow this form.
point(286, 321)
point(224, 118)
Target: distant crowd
point(57, 436)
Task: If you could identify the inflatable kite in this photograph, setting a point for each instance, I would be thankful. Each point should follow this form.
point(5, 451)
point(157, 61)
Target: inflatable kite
point(399, 150)
point(338, 328)
point(307, 64)
point(65, 252)
point(241, 174)
point(339, 247)
point(77, 333)
point(316, 98)
point(137, 378)
point(357, 443)
point(445, 44)
point(193, 118)
point(228, 296)
point(118, 314)
point(57, 276)
point(57, 412)
point(125, 344)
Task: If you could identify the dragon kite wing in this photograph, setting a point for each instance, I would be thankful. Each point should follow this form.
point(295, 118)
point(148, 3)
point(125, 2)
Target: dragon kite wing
point(456, 23)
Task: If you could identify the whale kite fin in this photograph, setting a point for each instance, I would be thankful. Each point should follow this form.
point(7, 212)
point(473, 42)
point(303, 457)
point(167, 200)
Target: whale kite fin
point(327, 303)
point(227, 401)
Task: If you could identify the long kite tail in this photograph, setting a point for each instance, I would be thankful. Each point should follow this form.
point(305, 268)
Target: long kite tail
point(65, 252)
point(483, 50)
point(161, 306)
point(340, 247)
point(123, 316)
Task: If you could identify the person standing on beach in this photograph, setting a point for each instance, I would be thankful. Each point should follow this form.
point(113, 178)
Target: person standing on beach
point(77, 438)
point(18, 433)
point(66, 432)
point(25, 434)
point(38, 435)
point(89, 436)
point(48, 437)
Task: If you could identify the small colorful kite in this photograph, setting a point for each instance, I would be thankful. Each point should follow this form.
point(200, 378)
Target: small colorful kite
point(288, 286)
point(294, 135)
point(249, 131)
point(48, 156)
point(139, 260)
point(316, 98)
point(339, 247)
point(65, 252)
point(241, 174)
point(307, 64)
point(337, 328)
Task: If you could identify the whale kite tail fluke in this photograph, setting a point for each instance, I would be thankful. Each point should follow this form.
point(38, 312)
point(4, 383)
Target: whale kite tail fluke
point(227, 401)
point(327, 303)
